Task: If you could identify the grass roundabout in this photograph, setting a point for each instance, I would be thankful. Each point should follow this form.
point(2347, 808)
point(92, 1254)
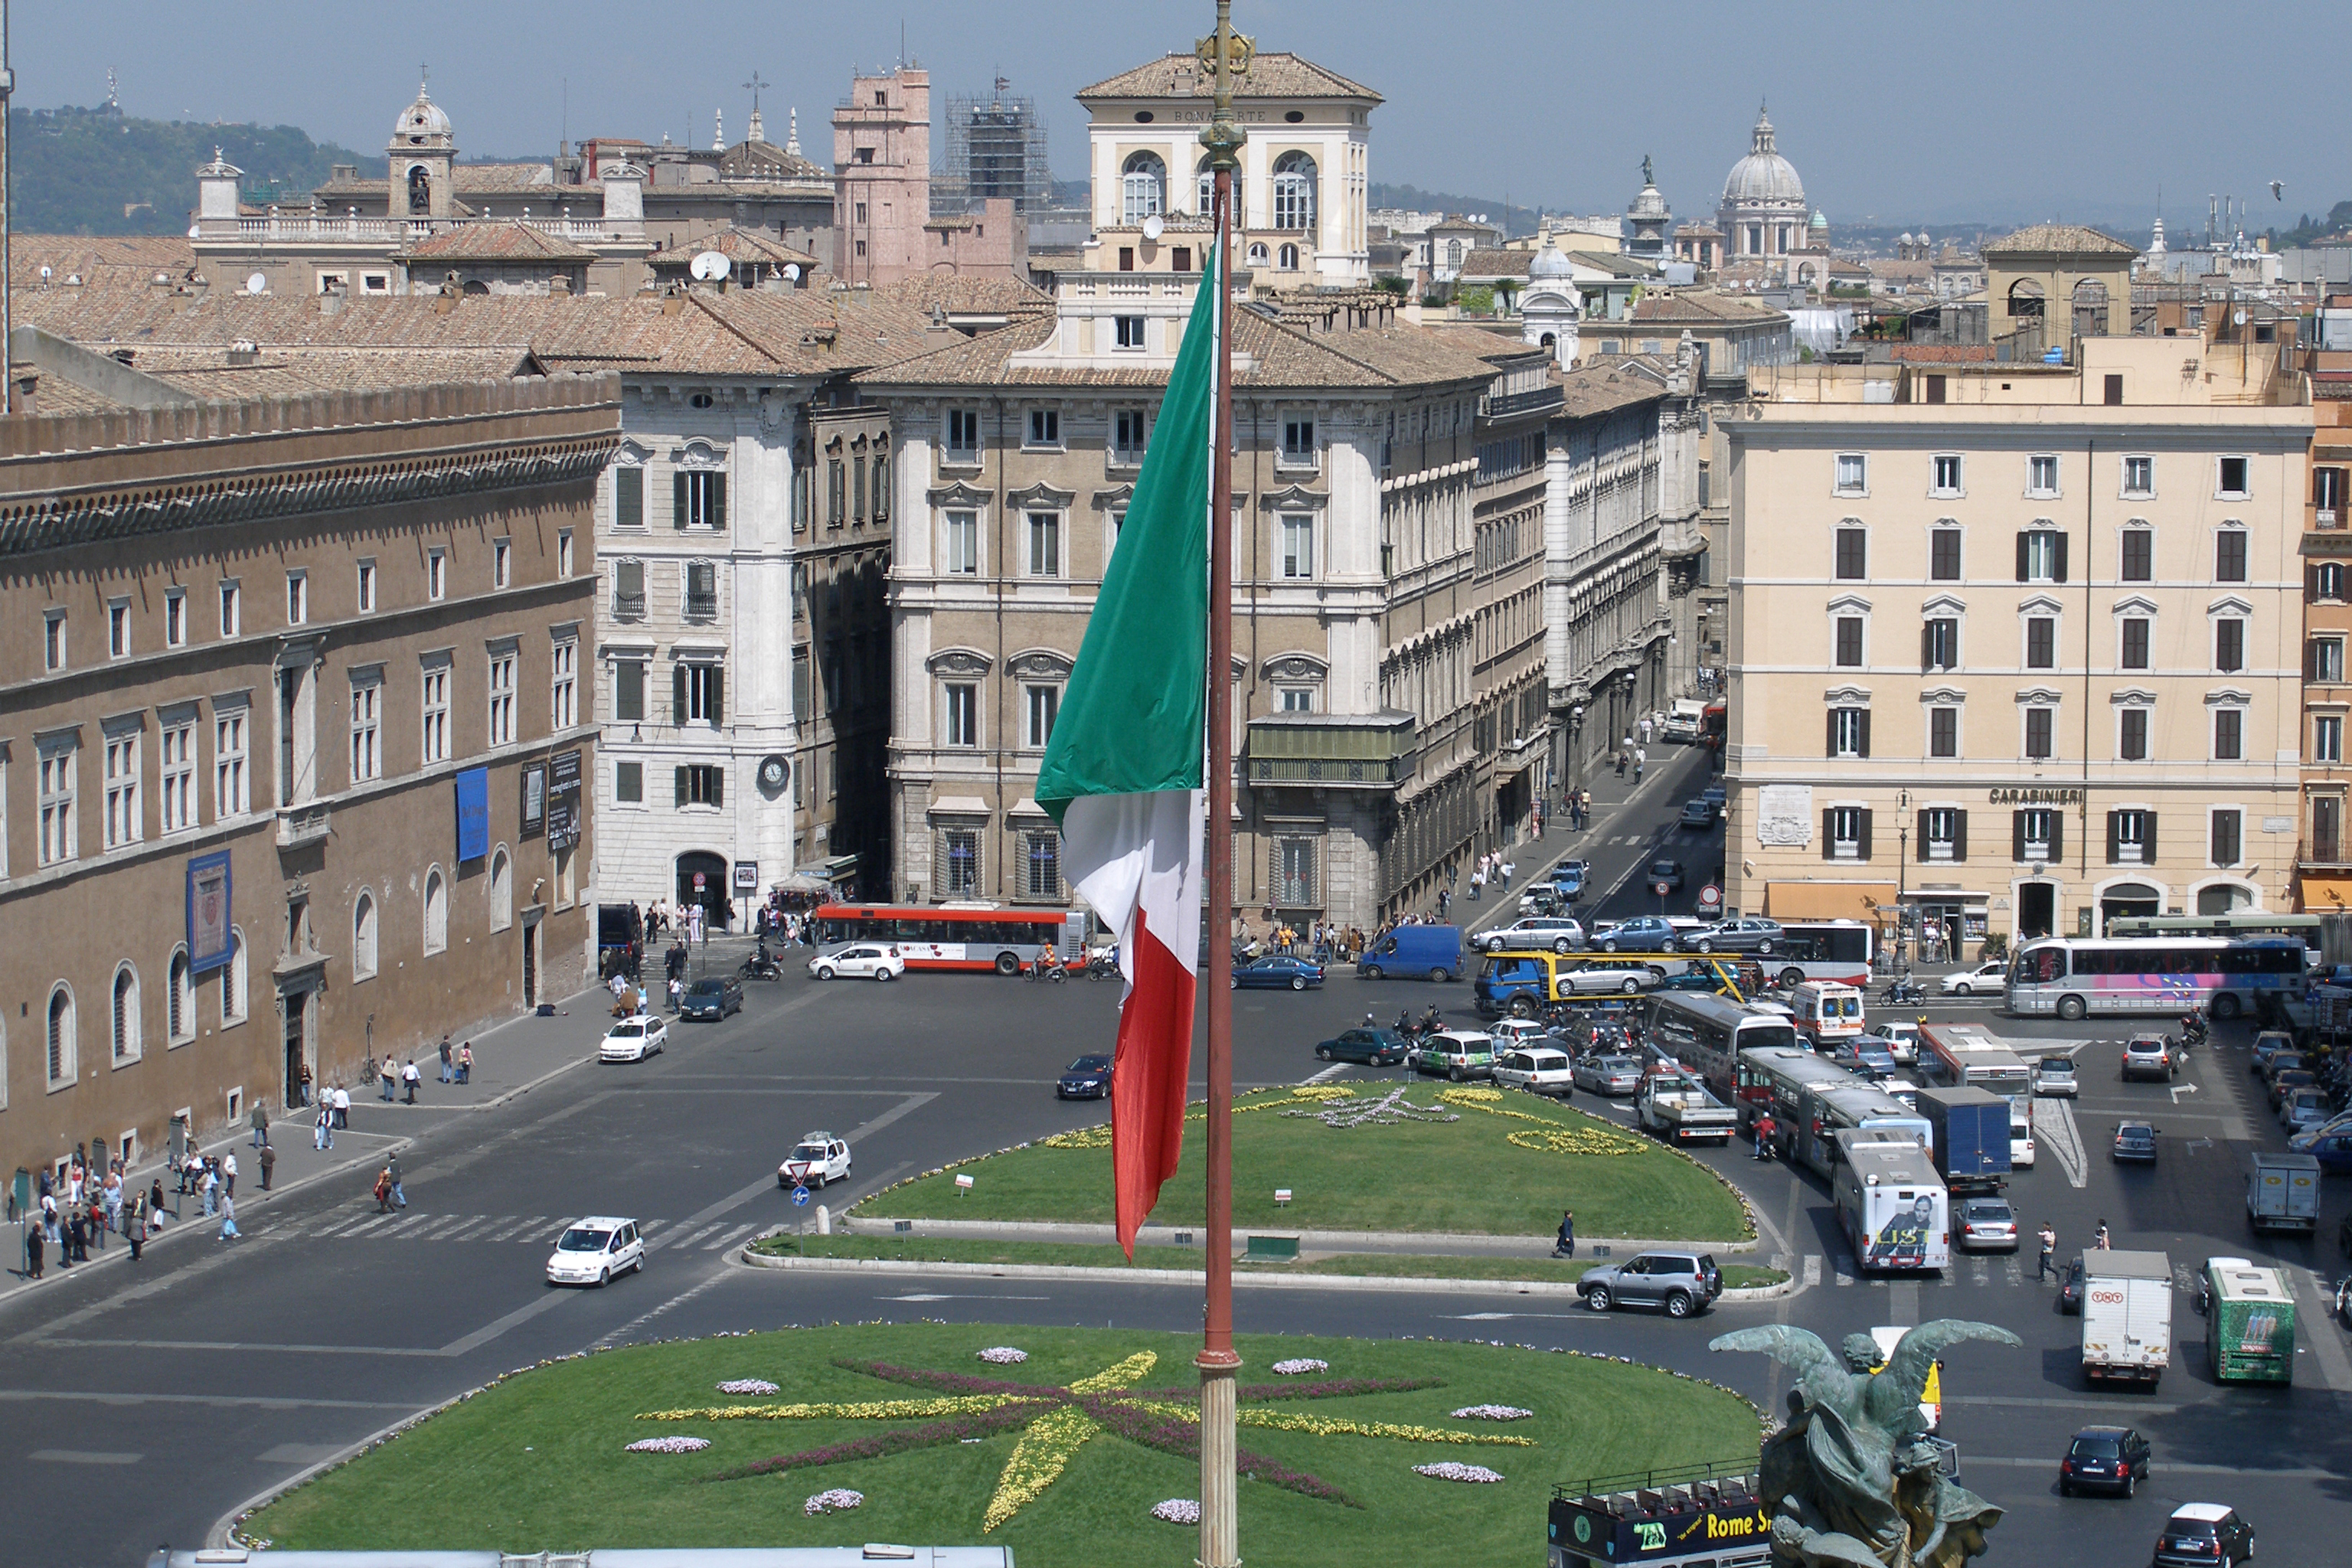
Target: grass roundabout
point(907, 1433)
point(1368, 1157)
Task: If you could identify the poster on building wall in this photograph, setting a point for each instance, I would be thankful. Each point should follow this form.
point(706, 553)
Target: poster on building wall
point(563, 801)
point(534, 799)
point(208, 912)
point(473, 814)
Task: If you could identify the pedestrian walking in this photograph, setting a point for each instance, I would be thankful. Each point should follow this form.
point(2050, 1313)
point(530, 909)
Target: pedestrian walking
point(228, 1171)
point(342, 1110)
point(1622, 760)
point(268, 1159)
point(1564, 1244)
point(677, 993)
point(1646, 731)
point(1510, 869)
point(229, 1220)
point(304, 1089)
point(97, 1221)
point(2049, 1239)
point(78, 1236)
point(322, 1131)
point(388, 1071)
point(1641, 761)
point(37, 1246)
point(134, 1229)
point(260, 1124)
point(384, 1191)
point(391, 1170)
point(209, 1185)
point(412, 1078)
point(465, 1062)
point(1477, 883)
point(2100, 1240)
point(448, 1066)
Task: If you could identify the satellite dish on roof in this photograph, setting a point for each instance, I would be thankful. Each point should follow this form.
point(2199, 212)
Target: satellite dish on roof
point(791, 272)
point(708, 266)
point(1154, 226)
point(257, 283)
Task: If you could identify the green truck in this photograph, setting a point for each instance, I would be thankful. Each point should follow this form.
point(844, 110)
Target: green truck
point(2248, 1322)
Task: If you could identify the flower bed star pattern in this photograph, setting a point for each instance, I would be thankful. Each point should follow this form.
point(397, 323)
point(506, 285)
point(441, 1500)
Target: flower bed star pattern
point(1054, 1423)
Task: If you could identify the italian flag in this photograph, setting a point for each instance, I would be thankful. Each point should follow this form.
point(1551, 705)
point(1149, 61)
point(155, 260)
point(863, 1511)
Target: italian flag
point(1123, 770)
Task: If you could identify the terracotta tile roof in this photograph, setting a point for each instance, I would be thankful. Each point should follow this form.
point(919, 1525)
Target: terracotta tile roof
point(1611, 385)
point(1941, 354)
point(206, 372)
point(754, 159)
point(113, 260)
point(1487, 262)
point(2058, 239)
point(972, 295)
point(497, 239)
point(1275, 75)
point(477, 179)
point(1702, 305)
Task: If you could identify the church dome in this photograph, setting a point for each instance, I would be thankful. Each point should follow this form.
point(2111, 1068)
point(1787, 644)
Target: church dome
point(1550, 263)
point(422, 122)
point(1763, 175)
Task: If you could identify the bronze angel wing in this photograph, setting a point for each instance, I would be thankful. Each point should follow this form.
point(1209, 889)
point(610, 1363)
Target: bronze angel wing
point(1798, 1350)
point(1899, 1384)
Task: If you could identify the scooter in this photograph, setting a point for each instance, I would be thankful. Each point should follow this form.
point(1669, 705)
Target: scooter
point(1904, 993)
point(760, 966)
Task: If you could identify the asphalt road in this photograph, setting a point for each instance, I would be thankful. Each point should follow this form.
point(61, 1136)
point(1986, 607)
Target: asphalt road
point(151, 1403)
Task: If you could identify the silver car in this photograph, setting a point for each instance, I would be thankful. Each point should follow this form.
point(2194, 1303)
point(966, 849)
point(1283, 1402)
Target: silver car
point(1595, 978)
point(1556, 932)
point(2305, 1108)
point(1988, 1225)
point(2054, 1077)
point(1608, 1075)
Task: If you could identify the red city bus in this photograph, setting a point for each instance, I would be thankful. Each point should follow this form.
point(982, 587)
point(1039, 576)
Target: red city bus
point(957, 936)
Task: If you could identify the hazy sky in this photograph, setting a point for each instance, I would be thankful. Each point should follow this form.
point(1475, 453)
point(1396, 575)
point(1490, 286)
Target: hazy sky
point(2000, 110)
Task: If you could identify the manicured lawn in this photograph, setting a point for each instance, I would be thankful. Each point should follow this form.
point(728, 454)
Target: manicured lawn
point(1076, 1255)
point(537, 1462)
point(1504, 1164)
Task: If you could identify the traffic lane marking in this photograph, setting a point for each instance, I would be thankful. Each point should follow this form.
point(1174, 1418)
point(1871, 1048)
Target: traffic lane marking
point(2160, 1468)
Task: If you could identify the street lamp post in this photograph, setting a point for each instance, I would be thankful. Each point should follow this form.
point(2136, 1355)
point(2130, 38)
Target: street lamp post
point(1902, 866)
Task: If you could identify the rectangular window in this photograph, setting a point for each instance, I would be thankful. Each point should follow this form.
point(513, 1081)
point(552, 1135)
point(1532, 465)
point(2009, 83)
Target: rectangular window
point(2224, 839)
point(697, 498)
point(962, 705)
point(2229, 734)
point(629, 590)
point(2138, 555)
point(175, 617)
point(881, 487)
point(962, 553)
point(2139, 476)
point(2231, 478)
point(1044, 427)
point(629, 498)
point(1041, 865)
point(1943, 554)
point(2037, 733)
point(1295, 883)
point(2131, 735)
point(2326, 830)
point(2131, 838)
point(1943, 732)
point(1128, 438)
point(1943, 834)
point(1044, 544)
point(118, 630)
point(1852, 554)
point(1299, 547)
point(2039, 835)
point(1849, 642)
point(1853, 468)
point(501, 563)
point(2042, 474)
point(963, 435)
point(2328, 580)
point(298, 598)
point(60, 840)
point(959, 859)
point(697, 694)
point(175, 745)
point(1947, 473)
point(125, 823)
point(698, 785)
point(1849, 833)
point(436, 574)
point(231, 609)
point(2040, 642)
point(367, 728)
point(229, 777)
point(501, 698)
point(701, 590)
point(563, 685)
point(629, 783)
point(1040, 705)
point(1848, 731)
point(1299, 440)
point(2228, 646)
point(367, 596)
point(857, 489)
point(2229, 555)
point(1940, 643)
point(53, 640)
point(1127, 332)
point(435, 700)
point(2135, 643)
point(2327, 738)
point(1296, 700)
point(2041, 556)
point(629, 689)
point(2113, 391)
point(562, 553)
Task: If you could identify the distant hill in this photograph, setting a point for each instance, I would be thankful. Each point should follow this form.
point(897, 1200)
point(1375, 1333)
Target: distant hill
point(94, 171)
point(1514, 220)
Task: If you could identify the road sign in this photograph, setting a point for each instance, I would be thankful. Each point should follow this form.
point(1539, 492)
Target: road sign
point(799, 1197)
point(1661, 888)
point(698, 881)
point(1710, 894)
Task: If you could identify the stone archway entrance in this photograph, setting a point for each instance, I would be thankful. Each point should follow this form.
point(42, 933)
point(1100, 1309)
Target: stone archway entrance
point(712, 894)
point(2128, 900)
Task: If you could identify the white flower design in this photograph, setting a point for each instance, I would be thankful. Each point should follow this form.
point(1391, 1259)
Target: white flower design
point(839, 1498)
point(1301, 1366)
point(746, 1385)
point(1448, 1470)
point(1177, 1510)
point(669, 1445)
point(1492, 1412)
point(1004, 1355)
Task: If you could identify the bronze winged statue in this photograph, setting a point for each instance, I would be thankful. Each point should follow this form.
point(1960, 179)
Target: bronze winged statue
point(1851, 1478)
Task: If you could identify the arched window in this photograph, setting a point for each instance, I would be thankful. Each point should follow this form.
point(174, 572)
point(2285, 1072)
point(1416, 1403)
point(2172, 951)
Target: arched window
point(420, 191)
point(1143, 187)
point(501, 889)
point(1257, 255)
point(1286, 258)
point(436, 910)
point(2025, 298)
point(2090, 308)
point(1208, 181)
point(180, 1006)
point(1454, 253)
point(126, 1013)
point(364, 936)
point(232, 980)
point(1294, 191)
point(62, 1036)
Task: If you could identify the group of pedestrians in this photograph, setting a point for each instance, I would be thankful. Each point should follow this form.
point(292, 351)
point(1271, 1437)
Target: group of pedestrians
point(81, 1209)
point(1492, 870)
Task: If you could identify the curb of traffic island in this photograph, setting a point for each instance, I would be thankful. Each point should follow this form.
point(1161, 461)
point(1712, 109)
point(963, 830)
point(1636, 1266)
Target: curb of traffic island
point(1409, 1242)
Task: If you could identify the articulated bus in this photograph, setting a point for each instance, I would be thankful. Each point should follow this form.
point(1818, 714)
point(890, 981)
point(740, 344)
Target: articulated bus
point(1971, 1055)
point(958, 936)
point(1706, 1035)
point(1841, 951)
point(1812, 1101)
point(2075, 976)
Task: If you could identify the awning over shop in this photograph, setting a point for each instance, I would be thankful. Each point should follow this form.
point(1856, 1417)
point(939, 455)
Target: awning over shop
point(1827, 901)
point(2325, 896)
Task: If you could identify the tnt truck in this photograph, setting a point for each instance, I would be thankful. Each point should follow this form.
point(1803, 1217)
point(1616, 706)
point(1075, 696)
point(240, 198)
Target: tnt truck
point(2282, 1192)
point(1891, 1204)
point(1972, 1141)
point(2126, 1316)
point(2249, 1323)
point(1677, 1106)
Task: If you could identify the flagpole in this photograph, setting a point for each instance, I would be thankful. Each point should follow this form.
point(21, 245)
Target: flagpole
point(1220, 1528)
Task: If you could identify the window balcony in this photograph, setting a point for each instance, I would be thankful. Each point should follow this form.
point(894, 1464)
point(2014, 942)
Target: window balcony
point(628, 606)
point(301, 826)
point(1330, 751)
point(702, 607)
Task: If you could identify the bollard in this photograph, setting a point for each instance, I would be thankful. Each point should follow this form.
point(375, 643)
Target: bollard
point(823, 1220)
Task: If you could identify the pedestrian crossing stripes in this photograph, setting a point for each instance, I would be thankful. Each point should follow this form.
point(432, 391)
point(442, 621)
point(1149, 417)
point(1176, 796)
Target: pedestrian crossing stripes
point(1978, 1270)
point(522, 1230)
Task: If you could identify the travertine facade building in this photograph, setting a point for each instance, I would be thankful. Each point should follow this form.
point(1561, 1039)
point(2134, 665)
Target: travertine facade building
point(293, 739)
point(2018, 648)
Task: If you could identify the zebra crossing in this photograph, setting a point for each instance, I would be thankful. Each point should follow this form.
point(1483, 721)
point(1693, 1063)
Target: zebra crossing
point(538, 1231)
point(1975, 1269)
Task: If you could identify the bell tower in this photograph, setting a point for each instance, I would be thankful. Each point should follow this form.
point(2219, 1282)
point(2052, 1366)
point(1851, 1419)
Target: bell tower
point(421, 150)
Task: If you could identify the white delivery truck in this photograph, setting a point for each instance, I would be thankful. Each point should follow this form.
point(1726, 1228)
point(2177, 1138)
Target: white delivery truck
point(2283, 1194)
point(1683, 722)
point(2126, 1316)
point(1891, 1204)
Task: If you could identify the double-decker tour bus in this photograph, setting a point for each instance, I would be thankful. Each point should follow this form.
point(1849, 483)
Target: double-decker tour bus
point(1706, 1034)
point(2076, 976)
point(958, 936)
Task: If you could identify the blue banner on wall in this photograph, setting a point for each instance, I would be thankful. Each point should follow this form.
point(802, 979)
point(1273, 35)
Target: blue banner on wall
point(473, 814)
point(209, 936)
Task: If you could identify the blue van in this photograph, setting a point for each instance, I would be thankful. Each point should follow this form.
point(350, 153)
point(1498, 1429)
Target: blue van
point(1432, 951)
point(1514, 982)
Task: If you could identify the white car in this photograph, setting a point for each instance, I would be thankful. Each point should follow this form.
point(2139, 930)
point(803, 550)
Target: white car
point(1990, 977)
point(1899, 1036)
point(1556, 932)
point(1539, 1069)
point(819, 1158)
point(2055, 1075)
point(860, 958)
point(634, 1040)
point(1510, 1034)
point(1607, 977)
point(591, 1251)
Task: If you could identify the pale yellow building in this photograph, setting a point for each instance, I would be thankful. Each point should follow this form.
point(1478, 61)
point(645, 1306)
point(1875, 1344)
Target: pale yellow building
point(2017, 648)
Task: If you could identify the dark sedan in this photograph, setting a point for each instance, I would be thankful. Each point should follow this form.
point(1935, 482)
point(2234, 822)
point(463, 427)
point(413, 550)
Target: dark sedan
point(713, 996)
point(1278, 972)
point(1373, 1048)
point(2070, 1288)
point(1709, 982)
point(2108, 1459)
point(1088, 1078)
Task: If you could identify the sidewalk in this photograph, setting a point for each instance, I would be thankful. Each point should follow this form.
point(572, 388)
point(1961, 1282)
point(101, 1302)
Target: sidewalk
point(1676, 772)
